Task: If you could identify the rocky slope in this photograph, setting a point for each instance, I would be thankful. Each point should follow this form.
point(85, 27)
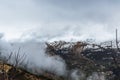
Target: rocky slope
point(83, 61)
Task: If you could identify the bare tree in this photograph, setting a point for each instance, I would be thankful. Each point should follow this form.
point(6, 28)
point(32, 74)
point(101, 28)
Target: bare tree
point(17, 60)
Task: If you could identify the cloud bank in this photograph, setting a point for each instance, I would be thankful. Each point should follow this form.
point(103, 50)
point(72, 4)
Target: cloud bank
point(55, 20)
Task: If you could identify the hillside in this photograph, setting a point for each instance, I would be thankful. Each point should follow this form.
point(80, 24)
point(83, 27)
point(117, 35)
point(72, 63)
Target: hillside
point(9, 72)
point(83, 61)
point(89, 57)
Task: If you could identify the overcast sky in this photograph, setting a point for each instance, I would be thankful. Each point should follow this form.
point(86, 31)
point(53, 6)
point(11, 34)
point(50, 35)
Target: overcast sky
point(59, 19)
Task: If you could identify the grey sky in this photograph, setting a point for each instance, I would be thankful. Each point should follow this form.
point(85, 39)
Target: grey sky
point(58, 19)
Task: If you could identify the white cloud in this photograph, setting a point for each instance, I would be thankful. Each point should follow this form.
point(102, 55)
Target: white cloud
point(50, 18)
